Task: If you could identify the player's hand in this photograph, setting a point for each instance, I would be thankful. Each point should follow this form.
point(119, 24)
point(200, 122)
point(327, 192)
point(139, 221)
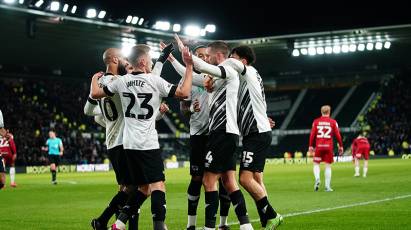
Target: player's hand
point(170, 57)
point(61, 153)
point(179, 42)
point(340, 150)
point(196, 106)
point(311, 149)
point(165, 53)
point(272, 122)
point(98, 75)
point(164, 108)
point(187, 57)
point(208, 84)
point(44, 148)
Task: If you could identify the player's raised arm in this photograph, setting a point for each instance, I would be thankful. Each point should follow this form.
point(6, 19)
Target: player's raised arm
point(184, 90)
point(95, 91)
point(237, 65)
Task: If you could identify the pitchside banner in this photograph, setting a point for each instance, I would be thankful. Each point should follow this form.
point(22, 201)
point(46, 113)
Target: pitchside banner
point(69, 168)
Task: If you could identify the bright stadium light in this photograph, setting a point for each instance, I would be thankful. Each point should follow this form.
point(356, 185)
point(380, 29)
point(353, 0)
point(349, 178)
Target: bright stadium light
point(353, 48)
point(336, 49)
point(192, 30)
point(162, 25)
point(73, 9)
point(370, 46)
point(65, 8)
point(140, 22)
point(9, 1)
point(91, 13)
point(304, 51)
point(361, 47)
point(21, 1)
point(378, 46)
point(102, 14)
point(320, 50)
point(176, 27)
point(296, 53)
point(328, 50)
point(312, 51)
point(202, 32)
point(54, 6)
point(129, 18)
point(387, 44)
point(39, 3)
point(134, 20)
point(344, 48)
point(154, 54)
point(210, 28)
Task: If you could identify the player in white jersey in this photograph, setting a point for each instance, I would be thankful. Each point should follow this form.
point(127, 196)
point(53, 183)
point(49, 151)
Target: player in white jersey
point(3, 133)
point(196, 108)
point(221, 157)
point(141, 93)
point(256, 131)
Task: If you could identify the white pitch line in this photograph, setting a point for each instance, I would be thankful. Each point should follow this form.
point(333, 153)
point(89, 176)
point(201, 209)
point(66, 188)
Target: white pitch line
point(332, 208)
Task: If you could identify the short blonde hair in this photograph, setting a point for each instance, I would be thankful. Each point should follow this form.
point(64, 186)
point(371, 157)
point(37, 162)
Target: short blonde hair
point(325, 110)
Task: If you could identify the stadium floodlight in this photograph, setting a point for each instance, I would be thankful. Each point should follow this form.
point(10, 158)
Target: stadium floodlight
point(134, 20)
point(202, 32)
point(140, 22)
point(162, 25)
point(54, 6)
point(91, 13)
point(320, 50)
point(328, 49)
point(387, 44)
point(129, 18)
point(39, 3)
point(370, 46)
point(9, 1)
point(353, 48)
point(192, 30)
point(345, 48)
point(361, 47)
point(154, 54)
point(312, 51)
point(303, 51)
point(210, 28)
point(21, 1)
point(378, 46)
point(296, 53)
point(101, 14)
point(73, 9)
point(176, 27)
point(336, 49)
point(65, 8)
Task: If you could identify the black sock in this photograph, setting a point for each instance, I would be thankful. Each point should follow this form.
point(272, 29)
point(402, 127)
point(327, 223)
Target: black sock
point(158, 209)
point(225, 201)
point(134, 201)
point(193, 194)
point(238, 201)
point(114, 206)
point(53, 175)
point(211, 200)
point(133, 222)
point(265, 210)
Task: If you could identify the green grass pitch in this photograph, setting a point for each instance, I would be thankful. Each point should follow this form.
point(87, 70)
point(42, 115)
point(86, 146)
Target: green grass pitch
point(380, 201)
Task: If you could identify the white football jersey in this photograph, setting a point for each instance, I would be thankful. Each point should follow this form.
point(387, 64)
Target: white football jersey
point(140, 96)
point(223, 101)
point(113, 115)
point(252, 108)
point(1, 120)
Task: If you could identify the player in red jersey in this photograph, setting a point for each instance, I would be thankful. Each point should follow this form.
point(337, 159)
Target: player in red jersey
point(8, 153)
point(360, 149)
point(321, 143)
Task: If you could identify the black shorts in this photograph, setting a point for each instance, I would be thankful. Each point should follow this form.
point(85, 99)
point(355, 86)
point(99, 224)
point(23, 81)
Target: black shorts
point(2, 166)
point(145, 166)
point(54, 159)
point(198, 152)
point(119, 162)
point(256, 147)
point(221, 156)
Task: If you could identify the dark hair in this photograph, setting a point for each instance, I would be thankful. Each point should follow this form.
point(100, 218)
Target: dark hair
point(220, 46)
point(245, 52)
point(199, 47)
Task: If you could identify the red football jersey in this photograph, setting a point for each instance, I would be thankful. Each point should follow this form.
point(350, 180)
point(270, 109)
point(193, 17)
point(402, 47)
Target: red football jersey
point(7, 146)
point(360, 143)
point(322, 133)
